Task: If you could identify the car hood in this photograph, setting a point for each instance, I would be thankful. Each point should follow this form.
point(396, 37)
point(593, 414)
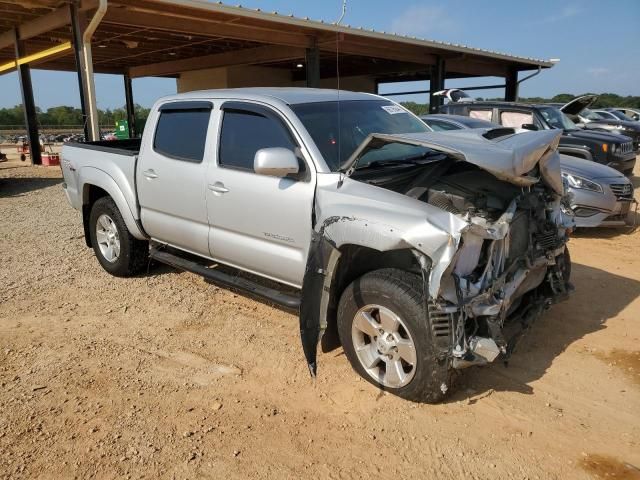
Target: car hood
point(596, 136)
point(578, 104)
point(588, 169)
point(508, 157)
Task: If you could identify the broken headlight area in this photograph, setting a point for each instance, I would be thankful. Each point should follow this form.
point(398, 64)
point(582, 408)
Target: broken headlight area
point(510, 265)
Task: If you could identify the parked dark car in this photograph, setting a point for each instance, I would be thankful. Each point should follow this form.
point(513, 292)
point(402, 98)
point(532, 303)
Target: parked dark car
point(632, 113)
point(603, 147)
point(578, 110)
point(613, 114)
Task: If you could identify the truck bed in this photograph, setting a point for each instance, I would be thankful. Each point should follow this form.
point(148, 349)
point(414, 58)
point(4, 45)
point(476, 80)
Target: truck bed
point(129, 146)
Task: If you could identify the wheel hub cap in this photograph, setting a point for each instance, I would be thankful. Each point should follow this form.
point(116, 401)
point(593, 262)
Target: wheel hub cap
point(108, 238)
point(384, 346)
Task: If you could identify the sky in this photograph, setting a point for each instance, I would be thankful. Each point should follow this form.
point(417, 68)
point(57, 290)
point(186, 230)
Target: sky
point(598, 45)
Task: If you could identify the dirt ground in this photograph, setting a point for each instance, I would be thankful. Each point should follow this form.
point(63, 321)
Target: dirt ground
point(166, 376)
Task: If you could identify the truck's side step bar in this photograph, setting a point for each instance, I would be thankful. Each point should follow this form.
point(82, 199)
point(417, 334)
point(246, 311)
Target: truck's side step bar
point(221, 278)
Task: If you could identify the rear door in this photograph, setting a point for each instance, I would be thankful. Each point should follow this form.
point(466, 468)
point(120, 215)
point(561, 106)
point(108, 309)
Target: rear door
point(171, 175)
point(259, 223)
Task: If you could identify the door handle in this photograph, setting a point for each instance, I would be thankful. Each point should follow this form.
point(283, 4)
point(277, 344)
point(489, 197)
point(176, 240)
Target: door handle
point(150, 173)
point(218, 187)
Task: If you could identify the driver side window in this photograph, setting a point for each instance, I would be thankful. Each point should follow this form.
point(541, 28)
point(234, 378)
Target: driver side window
point(244, 132)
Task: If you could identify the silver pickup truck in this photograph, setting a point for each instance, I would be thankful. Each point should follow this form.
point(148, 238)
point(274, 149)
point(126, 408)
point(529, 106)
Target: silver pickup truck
point(422, 253)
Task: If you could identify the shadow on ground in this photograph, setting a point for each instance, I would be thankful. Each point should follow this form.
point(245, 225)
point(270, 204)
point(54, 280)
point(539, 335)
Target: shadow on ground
point(558, 328)
point(16, 186)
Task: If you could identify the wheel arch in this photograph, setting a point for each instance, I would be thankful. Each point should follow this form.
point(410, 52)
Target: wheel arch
point(330, 269)
point(354, 262)
point(97, 184)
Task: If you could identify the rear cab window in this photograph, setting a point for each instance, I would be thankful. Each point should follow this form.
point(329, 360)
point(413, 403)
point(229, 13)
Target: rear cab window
point(515, 118)
point(181, 130)
point(481, 113)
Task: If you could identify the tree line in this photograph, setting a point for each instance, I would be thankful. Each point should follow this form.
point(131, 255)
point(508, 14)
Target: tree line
point(604, 100)
point(68, 116)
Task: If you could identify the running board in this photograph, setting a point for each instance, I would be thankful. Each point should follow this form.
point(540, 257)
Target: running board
point(221, 278)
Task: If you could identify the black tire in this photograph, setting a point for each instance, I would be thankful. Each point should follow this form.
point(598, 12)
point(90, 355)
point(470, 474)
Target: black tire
point(402, 293)
point(134, 253)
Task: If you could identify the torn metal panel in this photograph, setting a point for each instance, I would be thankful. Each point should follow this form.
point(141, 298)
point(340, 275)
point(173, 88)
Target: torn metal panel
point(321, 263)
point(510, 158)
point(384, 220)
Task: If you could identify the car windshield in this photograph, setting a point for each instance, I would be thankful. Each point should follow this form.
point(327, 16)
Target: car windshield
point(337, 132)
point(590, 115)
point(620, 115)
point(556, 119)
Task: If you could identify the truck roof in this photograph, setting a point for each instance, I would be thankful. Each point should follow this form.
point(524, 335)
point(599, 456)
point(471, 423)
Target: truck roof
point(288, 95)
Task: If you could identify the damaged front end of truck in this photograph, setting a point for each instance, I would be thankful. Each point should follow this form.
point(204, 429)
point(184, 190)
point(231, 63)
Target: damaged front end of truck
point(484, 218)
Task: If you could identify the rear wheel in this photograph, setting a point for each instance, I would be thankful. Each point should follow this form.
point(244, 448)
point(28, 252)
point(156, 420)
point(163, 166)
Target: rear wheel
point(119, 252)
point(385, 332)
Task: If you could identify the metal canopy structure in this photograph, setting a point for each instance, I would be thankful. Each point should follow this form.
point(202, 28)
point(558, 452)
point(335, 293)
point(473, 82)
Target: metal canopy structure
point(138, 38)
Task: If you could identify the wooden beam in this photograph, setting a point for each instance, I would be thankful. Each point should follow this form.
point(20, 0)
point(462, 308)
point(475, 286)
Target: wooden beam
point(45, 23)
point(247, 56)
point(202, 26)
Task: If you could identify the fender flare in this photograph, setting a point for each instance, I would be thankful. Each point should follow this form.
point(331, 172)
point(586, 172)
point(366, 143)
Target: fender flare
point(99, 178)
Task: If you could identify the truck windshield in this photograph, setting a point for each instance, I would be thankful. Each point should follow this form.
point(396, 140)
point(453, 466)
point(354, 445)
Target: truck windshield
point(556, 119)
point(338, 132)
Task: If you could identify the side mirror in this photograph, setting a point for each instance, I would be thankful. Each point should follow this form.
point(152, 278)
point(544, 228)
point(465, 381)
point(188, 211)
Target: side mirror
point(530, 126)
point(276, 162)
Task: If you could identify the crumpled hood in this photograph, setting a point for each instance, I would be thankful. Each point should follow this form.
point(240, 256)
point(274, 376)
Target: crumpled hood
point(509, 158)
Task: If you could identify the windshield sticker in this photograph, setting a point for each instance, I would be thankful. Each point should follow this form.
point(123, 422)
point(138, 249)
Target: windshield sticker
point(393, 109)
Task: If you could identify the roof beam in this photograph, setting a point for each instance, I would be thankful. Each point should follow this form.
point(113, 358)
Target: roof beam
point(468, 66)
point(202, 26)
point(247, 56)
point(45, 23)
point(397, 54)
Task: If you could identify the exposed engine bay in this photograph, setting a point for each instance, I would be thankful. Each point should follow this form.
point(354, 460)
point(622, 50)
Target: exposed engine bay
point(511, 262)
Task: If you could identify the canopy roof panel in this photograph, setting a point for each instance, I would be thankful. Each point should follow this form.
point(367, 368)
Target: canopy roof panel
point(166, 37)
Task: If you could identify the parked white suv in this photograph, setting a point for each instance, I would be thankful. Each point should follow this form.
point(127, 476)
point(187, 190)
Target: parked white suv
point(426, 252)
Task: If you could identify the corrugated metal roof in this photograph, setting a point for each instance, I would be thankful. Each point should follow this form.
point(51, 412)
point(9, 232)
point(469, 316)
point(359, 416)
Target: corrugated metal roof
point(306, 22)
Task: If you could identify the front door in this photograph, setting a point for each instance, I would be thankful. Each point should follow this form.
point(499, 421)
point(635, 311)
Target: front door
point(171, 175)
point(258, 223)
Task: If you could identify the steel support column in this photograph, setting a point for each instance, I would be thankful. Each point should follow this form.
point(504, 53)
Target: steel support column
point(131, 108)
point(313, 67)
point(436, 83)
point(28, 104)
point(511, 85)
point(77, 27)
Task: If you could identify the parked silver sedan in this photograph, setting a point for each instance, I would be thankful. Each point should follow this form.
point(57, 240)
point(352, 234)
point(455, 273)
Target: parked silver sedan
point(600, 196)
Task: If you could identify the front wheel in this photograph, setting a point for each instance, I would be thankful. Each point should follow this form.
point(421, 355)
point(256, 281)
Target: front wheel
point(384, 328)
point(119, 252)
